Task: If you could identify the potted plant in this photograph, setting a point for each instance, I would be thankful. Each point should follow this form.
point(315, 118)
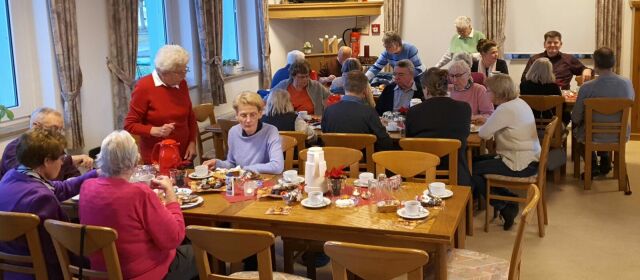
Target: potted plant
point(306, 48)
point(4, 111)
point(229, 66)
point(336, 178)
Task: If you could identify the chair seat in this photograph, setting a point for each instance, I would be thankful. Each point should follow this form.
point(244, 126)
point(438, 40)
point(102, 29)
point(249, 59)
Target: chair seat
point(466, 264)
point(530, 180)
point(276, 275)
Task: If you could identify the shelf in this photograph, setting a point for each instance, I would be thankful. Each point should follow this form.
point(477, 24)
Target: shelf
point(324, 10)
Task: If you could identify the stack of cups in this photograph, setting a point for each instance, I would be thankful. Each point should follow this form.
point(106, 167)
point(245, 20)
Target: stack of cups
point(315, 168)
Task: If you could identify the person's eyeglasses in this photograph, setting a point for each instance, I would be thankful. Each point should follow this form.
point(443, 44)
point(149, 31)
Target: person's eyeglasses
point(183, 72)
point(455, 76)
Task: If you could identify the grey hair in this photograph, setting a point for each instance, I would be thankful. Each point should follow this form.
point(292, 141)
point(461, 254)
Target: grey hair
point(40, 113)
point(462, 22)
point(170, 57)
point(405, 63)
point(294, 56)
point(466, 57)
point(279, 102)
point(351, 64)
point(541, 71)
point(502, 87)
point(118, 153)
point(460, 66)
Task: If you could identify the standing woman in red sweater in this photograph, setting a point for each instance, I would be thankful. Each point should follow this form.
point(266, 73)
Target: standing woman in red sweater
point(160, 106)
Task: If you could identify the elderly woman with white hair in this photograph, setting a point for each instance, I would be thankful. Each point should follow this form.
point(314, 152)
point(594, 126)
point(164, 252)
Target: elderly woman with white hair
point(465, 40)
point(253, 145)
point(280, 114)
point(463, 88)
point(149, 231)
point(160, 106)
point(283, 73)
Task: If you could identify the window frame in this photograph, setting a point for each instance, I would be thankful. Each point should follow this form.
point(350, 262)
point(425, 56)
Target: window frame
point(11, 54)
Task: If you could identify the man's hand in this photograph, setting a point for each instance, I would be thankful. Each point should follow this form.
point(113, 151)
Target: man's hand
point(162, 131)
point(83, 161)
point(210, 163)
point(191, 151)
point(586, 74)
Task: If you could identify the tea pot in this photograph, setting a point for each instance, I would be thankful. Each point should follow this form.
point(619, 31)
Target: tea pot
point(167, 154)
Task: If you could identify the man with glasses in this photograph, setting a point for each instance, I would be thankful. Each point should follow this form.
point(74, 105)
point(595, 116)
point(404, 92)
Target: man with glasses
point(50, 119)
point(398, 94)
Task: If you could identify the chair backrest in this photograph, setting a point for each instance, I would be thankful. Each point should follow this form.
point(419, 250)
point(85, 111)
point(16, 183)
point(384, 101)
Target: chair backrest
point(66, 237)
point(439, 147)
point(232, 246)
point(544, 103)
point(374, 262)
point(13, 226)
point(533, 196)
point(225, 126)
point(407, 164)
point(544, 153)
point(607, 106)
point(358, 141)
point(336, 157)
point(204, 112)
point(301, 138)
point(288, 146)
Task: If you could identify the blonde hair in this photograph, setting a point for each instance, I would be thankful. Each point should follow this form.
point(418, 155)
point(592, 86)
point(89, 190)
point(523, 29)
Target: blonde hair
point(502, 87)
point(248, 98)
point(279, 102)
point(170, 57)
point(541, 72)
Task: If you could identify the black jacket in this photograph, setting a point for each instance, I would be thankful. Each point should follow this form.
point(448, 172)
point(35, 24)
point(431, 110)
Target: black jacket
point(284, 122)
point(501, 66)
point(385, 102)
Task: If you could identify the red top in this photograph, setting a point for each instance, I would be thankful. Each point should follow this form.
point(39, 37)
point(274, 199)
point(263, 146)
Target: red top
point(300, 99)
point(158, 105)
point(148, 232)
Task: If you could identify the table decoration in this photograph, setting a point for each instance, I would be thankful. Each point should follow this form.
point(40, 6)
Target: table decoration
point(336, 178)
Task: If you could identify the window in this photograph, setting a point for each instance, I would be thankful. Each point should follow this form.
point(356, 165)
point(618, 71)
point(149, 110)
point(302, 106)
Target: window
point(152, 34)
point(8, 98)
point(230, 31)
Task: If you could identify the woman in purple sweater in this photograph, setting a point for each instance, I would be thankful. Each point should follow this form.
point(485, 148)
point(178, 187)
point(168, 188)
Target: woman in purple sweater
point(28, 189)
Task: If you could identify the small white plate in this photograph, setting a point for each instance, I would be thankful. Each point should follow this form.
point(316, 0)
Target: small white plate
point(423, 213)
point(446, 194)
point(305, 203)
point(192, 204)
point(298, 180)
point(345, 203)
point(183, 191)
point(357, 183)
point(76, 197)
point(196, 177)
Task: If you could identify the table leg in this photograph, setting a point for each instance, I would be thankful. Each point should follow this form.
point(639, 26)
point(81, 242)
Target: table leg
point(461, 234)
point(287, 254)
point(441, 262)
point(470, 215)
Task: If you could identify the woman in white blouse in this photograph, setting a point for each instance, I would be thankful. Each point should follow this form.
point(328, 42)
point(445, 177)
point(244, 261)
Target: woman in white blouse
point(513, 127)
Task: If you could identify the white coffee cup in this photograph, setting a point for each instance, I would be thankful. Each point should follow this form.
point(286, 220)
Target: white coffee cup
point(437, 188)
point(290, 175)
point(412, 207)
point(315, 197)
point(201, 170)
point(146, 178)
point(392, 126)
point(303, 114)
point(364, 177)
point(414, 101)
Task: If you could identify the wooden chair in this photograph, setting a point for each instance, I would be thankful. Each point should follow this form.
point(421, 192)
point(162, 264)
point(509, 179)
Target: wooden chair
point(301, 138)
point(374, 262)
point(66, 237)
point(225, 126)
point(606, 106)
point(466, 264)
point(288, 145)
point(356, 141)
point(336, 157)
point(519, 183)
point(554, 103)
point(233, 245)
point(407, 164)
point(13, 226)
point(204, 112)
point(440, 148)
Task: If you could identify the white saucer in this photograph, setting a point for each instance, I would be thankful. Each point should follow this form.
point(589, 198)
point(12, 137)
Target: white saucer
point(76, 197)
point(393, 130)
point(357, 183)
point(421, 215)
point(305, 203)
point(298, 180)
point(192, 204)
point(446, 194)
point(196, 177)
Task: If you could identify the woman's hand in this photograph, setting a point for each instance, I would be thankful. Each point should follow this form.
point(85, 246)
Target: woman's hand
point(210, 163)
point(164, 183)
point(478, 119)
point(82, 161)
point(191, 151)
point(162, 131)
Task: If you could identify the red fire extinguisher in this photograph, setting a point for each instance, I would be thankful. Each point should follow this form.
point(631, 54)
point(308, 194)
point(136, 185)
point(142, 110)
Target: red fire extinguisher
point(354, 41)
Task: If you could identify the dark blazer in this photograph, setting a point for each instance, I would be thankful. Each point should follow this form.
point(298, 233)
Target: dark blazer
point(501, 66)
point(284, 122)
point(443, 117)
point(385, 101)
point(349, 116)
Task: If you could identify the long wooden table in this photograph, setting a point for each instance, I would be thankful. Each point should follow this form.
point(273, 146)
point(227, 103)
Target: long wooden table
point(443, 228)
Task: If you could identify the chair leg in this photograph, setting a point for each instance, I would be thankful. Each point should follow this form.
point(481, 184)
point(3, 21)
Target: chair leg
point(575, 154)
point(615, 158)
point(540, 214)
point(622, 171)
point(556, 175)
point(544, 203)
point(587, 169)
point(486, 213)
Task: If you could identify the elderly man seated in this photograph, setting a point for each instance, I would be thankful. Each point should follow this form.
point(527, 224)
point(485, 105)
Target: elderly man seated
point(45, 118)
point(333, 67)
point(398, 94)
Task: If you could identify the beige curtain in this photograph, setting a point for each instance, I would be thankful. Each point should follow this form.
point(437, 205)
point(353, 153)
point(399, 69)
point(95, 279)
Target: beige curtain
point(209, 18)
point(392, 15)
point(609, 26)
point(494, 19)
point(123, 48)
point(62, 17)
point(262, 10)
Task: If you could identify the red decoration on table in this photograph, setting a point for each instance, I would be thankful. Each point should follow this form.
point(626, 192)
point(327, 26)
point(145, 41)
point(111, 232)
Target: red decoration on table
point(403, 110)
point(335, 173)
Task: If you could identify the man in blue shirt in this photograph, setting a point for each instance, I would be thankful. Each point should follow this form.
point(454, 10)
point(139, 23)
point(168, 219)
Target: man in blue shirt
point(283, 73)
point(395, 50)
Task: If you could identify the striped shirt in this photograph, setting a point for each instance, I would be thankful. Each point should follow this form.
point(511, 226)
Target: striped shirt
point(408, 52)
